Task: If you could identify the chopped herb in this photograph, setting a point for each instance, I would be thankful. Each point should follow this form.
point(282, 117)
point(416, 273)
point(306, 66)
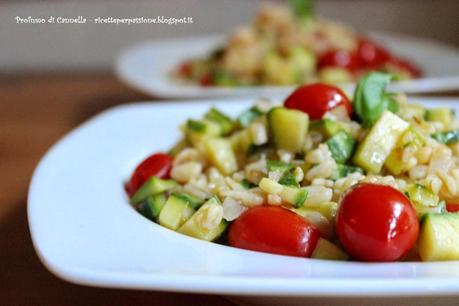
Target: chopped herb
point(224, 78)
point(343, 171)
point(247, 117)
point(247, 185)
point(225, 122)
point(302, 196)
point(278, 165)
point(197, 126)
point(288, 179)
point(302, 9)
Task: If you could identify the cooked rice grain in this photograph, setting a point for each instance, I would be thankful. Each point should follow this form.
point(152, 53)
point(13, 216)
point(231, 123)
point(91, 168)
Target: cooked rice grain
point(318, 194)
point(232, 209)
point(185, 172)
point(210, 217)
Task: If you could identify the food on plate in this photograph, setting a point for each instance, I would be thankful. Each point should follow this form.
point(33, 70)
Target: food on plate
point(291, 46)
point(377, 223)
point(262, 228)
point(324, 175)
point(157, 165)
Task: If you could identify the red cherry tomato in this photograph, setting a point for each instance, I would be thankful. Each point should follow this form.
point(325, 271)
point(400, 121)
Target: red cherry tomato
point(206, 80)
point(370, 55)
point(338, 58)
point(274, 229)
point(452, 207)
point(403, 64)
point(185, 69)
point(317, 99)
point(377, 223)
point(158, 164)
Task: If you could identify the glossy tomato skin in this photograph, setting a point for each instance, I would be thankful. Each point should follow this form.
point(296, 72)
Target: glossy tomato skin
point(370, 55)
point(338, 58)
point(158, 164)
point(452, 207)
point(273, 229)
point(376, 223)
point(317, 99)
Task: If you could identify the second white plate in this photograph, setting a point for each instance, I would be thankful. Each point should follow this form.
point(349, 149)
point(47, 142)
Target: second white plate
point(147, 66)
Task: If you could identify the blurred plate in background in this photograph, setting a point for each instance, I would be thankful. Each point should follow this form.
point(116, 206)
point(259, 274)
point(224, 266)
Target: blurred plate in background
point(147, 67)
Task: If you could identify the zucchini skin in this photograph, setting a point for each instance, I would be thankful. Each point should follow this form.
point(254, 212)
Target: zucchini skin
point(341, 146)
point(288, 128)
point(373, 151)
point(438, 240)
point(448, 137)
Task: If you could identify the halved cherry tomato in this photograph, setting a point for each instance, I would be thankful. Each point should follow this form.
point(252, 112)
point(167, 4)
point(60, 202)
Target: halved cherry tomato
point(158, 164)
point(371, 55)
point(338, 58)
point(317, 99)
point(274, 229)
point(377, 223)
point(452, 207)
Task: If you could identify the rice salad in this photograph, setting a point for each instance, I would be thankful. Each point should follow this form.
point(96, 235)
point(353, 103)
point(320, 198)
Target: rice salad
point(305, 157)
point(291, 45)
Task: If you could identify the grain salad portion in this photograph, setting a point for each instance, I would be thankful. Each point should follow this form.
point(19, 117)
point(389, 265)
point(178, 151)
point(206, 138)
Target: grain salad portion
point(290, 45)
point(372, 178)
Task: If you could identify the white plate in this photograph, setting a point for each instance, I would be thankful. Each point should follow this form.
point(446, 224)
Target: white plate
point(85, 231)
point(146, 67)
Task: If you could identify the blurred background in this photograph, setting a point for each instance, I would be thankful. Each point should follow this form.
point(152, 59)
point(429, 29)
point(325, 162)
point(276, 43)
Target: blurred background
point(55, 76)
point(92, 46)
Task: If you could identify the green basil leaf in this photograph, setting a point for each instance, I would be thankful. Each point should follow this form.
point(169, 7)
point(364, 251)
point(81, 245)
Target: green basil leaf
point(302, 9)
point(278, 165)
point(369, 97)
point(288, 179)
point(392, 105)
